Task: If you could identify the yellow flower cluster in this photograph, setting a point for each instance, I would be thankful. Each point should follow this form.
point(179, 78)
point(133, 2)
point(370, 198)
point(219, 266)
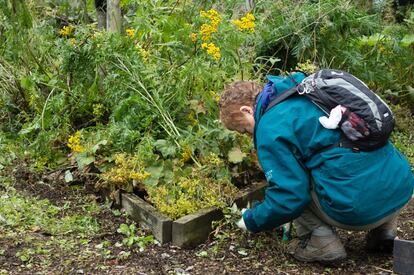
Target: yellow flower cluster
point(213, 15)
point(191, 194)
point(74, 143)
point(186, 154)
point(192, 119)
point(98, 110)
point(66, 31)
point(143, 52)
point(246, 23)
point(214, 160)
point(193, 37)
point(139, 176)
point(207, 30)
point(215, 96)
point(307, 67)
point(72, 41)
point(212, 50)
point(127, 169)
point(130, 33)
point(173, 208)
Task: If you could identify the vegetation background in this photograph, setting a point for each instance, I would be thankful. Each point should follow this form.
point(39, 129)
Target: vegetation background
point(126, 96)
point(135, 104)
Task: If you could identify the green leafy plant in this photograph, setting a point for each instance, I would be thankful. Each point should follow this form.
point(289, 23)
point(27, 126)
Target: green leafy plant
point(132, 239)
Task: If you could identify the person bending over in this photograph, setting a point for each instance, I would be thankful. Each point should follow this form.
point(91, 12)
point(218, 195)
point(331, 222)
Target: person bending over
point(316, 189)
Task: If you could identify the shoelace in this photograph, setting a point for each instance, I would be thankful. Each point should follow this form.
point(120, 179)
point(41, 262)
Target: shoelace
point(304, 242)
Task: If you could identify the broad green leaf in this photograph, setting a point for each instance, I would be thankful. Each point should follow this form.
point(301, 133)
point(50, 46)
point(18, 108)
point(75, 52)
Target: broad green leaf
point(197, 106)
point(156, 173)
point(132, 229)
point(407, 40)
point(30, 127)
point(165, 147)
point(411, 93)
point(273, 60)
point(83, 160)
point(97, 146)
point(202, 254)
point(123, 229)
point(26, 82)
point(236, 155)
point(68, 176)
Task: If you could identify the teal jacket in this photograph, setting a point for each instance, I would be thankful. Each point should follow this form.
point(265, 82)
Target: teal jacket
point(352, 188)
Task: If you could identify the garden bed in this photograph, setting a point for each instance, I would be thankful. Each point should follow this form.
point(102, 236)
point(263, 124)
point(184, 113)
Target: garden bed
point(189, 230)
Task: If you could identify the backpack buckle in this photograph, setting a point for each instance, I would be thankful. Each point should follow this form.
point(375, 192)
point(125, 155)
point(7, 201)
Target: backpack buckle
point(305, 90)
point(356, 150)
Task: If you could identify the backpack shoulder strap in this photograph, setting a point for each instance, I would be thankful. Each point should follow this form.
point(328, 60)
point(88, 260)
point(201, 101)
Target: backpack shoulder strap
point(280, 98)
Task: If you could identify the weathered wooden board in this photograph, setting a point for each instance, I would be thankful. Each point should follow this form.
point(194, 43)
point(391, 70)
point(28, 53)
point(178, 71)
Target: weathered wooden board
point(251, 194)
point(194, 229)
point(189, 230)
point(148, 216)
point(403, 257)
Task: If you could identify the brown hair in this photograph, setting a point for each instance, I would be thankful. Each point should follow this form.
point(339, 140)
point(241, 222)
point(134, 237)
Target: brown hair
point(235, 95)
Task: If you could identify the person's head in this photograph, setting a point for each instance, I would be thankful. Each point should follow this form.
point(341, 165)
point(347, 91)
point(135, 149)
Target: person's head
point(237, 106)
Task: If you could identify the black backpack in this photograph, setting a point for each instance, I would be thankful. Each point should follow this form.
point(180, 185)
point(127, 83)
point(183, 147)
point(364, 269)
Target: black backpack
point(367, 122)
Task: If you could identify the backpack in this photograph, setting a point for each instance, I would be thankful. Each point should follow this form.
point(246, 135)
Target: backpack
point(367, 121)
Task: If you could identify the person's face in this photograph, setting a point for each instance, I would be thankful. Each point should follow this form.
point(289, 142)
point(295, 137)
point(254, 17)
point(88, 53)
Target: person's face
point(248, 119)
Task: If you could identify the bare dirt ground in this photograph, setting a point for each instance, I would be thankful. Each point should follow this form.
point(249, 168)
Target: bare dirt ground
point(228, 251)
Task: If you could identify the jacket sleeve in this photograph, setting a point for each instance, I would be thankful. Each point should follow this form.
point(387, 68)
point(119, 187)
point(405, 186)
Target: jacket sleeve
point(287, 193)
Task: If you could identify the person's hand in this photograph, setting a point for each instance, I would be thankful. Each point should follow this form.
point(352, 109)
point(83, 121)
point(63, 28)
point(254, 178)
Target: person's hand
point(240, 223)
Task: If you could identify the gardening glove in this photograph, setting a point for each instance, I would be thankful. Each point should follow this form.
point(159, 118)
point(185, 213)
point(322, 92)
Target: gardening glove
point(335, 117)
point(240, 223)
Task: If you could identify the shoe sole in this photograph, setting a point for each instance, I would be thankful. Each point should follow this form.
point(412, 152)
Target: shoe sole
point(335, 259)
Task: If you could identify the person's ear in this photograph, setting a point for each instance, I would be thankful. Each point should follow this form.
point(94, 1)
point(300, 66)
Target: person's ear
point(246, 110)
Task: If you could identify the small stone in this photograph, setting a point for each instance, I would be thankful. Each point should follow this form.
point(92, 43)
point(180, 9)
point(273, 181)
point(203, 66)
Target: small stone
point(180, 271)
point(165, 256)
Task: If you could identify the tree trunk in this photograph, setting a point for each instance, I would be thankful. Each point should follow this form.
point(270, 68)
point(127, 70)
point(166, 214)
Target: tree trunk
point(86, 18)
point(249, 5)
point(100, 6)
point(114, 17)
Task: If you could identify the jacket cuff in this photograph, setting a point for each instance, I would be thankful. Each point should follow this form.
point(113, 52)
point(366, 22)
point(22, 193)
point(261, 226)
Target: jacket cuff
point(249, 221)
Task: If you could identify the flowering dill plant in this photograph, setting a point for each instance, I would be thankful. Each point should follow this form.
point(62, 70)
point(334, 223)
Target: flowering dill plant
point(126, 170)
point(143, 52)
point(307, 67)
point(191, 193)
point(186, 154)
point(72, 42)
point(98, 110)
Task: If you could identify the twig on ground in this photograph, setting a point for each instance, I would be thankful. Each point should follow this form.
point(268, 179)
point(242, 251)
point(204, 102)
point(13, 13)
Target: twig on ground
point(382, 269)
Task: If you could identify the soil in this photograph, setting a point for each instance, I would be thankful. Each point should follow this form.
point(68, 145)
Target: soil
point(228, 251)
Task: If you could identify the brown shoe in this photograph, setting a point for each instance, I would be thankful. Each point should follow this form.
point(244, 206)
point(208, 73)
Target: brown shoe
point(326, 249)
